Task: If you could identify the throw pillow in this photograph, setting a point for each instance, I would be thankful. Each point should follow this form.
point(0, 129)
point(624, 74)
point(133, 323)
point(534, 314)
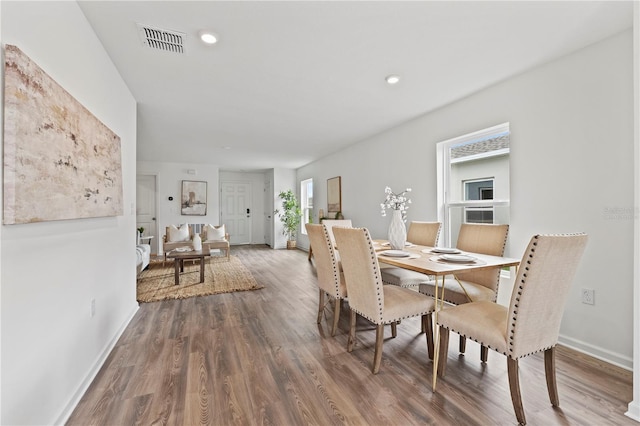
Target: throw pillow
point(214, 233)
point(179, 234)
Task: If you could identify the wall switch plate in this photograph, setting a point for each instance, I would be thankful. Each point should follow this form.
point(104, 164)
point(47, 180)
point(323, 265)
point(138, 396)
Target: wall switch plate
point(588, 296)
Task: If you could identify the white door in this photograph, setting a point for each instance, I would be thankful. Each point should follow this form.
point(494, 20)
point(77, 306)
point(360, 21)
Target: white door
point(235, 210)
point(268, 213)
point(146, 208)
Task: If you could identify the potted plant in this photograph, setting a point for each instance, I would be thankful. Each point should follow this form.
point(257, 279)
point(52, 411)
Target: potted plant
point(290, 216)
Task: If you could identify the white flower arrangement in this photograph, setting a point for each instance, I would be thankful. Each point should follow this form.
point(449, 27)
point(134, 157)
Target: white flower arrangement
point(396, 202)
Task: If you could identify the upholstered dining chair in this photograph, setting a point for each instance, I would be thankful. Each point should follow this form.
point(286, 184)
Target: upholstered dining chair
point(474, 285)
point(330, 277)
point(532, 322)
point(368, 297)
point(420, 233)
point(330, 223)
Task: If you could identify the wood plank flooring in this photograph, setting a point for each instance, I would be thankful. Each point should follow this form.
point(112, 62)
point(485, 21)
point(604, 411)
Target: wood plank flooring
point(259, 358)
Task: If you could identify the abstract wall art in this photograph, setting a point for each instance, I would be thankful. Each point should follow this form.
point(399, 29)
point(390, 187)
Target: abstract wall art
point(194, 198)
point(60, 161)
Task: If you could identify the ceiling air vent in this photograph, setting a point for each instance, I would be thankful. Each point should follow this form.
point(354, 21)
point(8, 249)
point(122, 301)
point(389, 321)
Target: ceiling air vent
point(165, 40)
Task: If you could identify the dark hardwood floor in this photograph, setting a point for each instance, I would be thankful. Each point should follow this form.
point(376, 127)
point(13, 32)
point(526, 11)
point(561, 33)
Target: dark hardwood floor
point(258, 357)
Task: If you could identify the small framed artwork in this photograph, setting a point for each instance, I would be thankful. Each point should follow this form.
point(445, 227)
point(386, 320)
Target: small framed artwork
point(334, 195)
point(194, 198)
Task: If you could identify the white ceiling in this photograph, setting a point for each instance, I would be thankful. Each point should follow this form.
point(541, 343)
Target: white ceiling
point(293, 81)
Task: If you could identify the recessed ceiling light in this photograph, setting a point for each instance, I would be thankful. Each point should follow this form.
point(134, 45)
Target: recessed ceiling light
point(392, 79)
point(208, 37)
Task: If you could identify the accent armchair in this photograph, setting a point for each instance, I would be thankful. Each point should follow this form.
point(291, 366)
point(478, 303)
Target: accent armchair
point(176, 237)
point(216, 237)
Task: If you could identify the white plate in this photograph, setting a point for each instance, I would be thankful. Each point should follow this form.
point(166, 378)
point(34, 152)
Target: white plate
point(457, 258)
point(183, 249)
point(407, 244)
point(445, 250)
point(396, 253)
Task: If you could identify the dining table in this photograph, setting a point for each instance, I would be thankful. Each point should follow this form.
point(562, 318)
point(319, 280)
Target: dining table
point(438, 262)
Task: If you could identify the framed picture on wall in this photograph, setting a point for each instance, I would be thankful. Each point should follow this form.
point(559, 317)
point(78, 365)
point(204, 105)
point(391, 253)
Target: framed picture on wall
point(194, 198)
point(334, 195)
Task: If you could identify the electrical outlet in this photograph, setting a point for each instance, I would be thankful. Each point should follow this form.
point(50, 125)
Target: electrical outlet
point(93, 307)
point(588, 296)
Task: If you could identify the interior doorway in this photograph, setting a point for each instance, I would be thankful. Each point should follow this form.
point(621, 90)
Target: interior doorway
point(146, 209)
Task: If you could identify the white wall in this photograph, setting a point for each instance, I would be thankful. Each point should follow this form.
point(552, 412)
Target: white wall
point(51, 271)
point(571, 125)
point(169, 183)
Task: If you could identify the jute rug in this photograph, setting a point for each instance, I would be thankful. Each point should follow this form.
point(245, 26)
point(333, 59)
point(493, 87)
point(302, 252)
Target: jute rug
point(157, 282)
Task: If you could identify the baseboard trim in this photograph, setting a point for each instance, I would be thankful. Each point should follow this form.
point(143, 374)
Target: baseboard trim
point(634, 411)
point(93, 372)
point(597, 352)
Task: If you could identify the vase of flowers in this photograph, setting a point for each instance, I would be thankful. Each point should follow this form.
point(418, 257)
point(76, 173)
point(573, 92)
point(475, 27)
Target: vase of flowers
point(398, 203)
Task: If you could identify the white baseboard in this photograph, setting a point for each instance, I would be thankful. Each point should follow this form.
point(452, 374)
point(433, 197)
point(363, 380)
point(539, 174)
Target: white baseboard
point(102, 357)
point(597, 352)
point(634, 411)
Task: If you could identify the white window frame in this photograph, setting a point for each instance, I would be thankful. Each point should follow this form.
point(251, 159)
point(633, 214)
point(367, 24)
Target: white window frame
point(443, 169)
point(476, 208)
point(305, 208)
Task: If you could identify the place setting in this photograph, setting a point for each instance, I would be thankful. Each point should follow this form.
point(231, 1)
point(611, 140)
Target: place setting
point(461, 259)
point(399, 254)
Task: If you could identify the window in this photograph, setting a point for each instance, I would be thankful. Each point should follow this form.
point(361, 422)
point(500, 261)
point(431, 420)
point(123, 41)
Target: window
point(475, 190)
point(473, 180)
point(306, 203)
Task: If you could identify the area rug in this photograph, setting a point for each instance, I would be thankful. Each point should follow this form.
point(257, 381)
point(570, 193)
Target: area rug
point(157, 282)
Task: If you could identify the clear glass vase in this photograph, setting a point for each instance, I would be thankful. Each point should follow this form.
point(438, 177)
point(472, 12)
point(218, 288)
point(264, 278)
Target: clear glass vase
point(397, 231)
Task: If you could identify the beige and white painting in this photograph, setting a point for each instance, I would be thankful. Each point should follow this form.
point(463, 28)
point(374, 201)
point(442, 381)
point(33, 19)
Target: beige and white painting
point(194, 198)
point(60, 161)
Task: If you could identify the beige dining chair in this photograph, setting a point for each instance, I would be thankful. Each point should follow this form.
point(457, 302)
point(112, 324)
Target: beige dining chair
point(532, 322)
point(420, 233)
point(368, 297)
point(330, 223)
point(474, 285)
point(330, 276)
